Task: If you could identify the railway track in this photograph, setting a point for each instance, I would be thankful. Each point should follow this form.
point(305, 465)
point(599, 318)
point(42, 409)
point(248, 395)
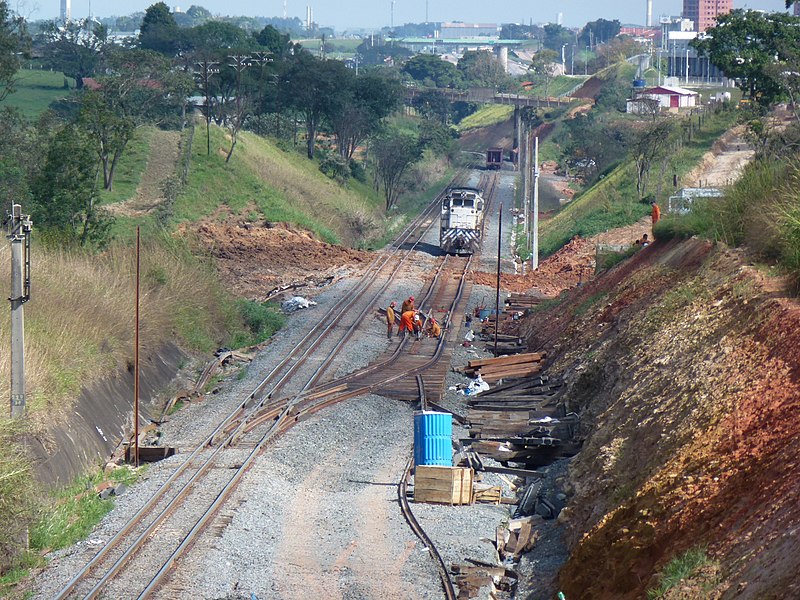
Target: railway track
point(167, 526)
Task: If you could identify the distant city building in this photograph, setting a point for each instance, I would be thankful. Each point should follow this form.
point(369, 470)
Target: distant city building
point(683, 65)
point(454, 31)
point(704, 13)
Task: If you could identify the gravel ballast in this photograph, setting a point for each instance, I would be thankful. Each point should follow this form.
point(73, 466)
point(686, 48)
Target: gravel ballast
point(317, 515)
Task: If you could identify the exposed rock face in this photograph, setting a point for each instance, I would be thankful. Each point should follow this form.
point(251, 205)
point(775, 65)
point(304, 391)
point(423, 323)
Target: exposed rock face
point(685, 366)
point(99, 419)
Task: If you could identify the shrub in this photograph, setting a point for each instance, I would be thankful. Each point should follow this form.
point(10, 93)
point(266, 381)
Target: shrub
point(678, 569)
point(260, 320)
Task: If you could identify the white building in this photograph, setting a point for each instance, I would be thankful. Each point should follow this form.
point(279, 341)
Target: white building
point(667, 97)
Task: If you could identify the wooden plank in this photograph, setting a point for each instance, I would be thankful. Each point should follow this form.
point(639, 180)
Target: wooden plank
point(443, 485)
point(508, 360)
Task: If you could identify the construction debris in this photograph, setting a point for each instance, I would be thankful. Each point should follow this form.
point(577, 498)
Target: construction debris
point(470, 578)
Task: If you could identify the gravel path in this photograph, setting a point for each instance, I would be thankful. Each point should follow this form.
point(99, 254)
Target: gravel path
point(504, 194)
point(317, 515)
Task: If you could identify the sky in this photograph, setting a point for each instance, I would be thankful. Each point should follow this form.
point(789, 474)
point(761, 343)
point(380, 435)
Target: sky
point(369, 14)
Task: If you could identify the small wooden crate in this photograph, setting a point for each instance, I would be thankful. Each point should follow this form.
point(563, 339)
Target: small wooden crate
point(443, 485)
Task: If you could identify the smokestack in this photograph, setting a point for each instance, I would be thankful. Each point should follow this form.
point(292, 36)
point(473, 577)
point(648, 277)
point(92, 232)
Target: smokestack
point(649, 21)
point(66, 11)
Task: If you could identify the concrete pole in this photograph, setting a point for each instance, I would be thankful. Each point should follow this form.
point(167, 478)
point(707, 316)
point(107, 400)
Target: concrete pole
point(497, 299)
point(515, 142)
point(535, 215)
point(18, 234)
point(526, 182)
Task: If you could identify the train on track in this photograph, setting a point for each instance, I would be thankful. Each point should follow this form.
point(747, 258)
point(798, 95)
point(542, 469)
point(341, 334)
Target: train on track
point(461, 220)
point(494, 158)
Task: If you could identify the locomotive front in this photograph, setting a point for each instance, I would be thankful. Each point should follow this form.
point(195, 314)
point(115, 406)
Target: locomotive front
point(461, 221)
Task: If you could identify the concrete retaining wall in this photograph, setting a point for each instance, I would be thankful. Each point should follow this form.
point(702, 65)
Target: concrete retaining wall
point(102, 414)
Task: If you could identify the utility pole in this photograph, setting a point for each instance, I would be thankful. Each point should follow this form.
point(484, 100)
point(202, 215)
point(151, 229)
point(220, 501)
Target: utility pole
point(19, 234)
point(206, 69)
point(535, 219)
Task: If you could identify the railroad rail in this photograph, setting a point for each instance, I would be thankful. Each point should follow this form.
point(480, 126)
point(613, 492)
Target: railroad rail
point(261, 417)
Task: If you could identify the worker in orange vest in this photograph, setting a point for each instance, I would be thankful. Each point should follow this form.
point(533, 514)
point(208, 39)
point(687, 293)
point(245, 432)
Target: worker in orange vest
point(655, 213)
point(434, 330)
point(407, 305)
point(390, 319)
point(406, 322)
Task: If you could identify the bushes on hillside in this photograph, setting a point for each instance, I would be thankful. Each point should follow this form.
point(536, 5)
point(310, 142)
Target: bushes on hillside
point(761, 211)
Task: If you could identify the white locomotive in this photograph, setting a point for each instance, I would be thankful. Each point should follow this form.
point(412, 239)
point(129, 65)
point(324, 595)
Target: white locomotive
point(462, 220)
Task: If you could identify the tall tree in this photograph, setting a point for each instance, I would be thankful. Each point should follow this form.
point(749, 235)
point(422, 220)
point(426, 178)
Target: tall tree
point(74, 48)
point(279, 44)
point(393, 153)
point(747, 45)
point(648, 145)
point(370, 99)
point(543, 68)
point(430, 69)
point(313, 88)
point(599, 32)
point(65, 191)
point(159, 31)
point(482, 69)
point(13, 40)
point(138, 88)
point(213, 36)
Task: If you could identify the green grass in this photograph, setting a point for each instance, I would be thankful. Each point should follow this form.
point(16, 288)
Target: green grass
point(261, 322)
point(69, 515)
point(75, 511)
point(284, 187)
point(35, 90)
point(490, 114)
point(613, 201)
point(129, 169)
point(678, 569)
point(558, 86)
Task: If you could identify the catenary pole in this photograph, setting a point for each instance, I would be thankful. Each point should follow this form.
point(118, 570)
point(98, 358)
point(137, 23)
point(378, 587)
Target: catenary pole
point(136, 360)
point(19, 236)
point(535, 215)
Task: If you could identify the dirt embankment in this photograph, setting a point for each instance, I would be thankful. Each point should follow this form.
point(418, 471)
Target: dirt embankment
point(257, 258)
point(684, 365)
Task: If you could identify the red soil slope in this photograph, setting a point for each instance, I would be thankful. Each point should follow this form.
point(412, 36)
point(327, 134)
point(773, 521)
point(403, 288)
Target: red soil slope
point(685, 365)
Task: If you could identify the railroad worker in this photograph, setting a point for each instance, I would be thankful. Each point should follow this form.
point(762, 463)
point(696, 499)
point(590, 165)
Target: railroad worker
point(406, 322)
point(390, 319)
point(417, 325)
point(434, 330)
point(407, 305)
point(655, 213)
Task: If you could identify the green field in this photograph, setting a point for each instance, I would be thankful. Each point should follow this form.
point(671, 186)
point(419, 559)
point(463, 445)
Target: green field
point(35, 90)
point(558, 86)
point(487, 115)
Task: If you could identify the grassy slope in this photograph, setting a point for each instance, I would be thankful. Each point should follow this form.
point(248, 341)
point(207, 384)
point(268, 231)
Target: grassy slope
point(35, 90)
point(131, 165)
point(487, 115)
point(282, 186)
point(613, 201)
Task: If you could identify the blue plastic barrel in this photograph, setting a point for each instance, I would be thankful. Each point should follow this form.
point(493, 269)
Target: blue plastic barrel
point(433, 435)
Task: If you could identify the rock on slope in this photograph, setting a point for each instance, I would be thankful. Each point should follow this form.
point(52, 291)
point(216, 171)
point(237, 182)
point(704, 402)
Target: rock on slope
point(684, 363)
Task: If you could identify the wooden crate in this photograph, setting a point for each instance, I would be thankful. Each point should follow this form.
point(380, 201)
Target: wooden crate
point(443, 485)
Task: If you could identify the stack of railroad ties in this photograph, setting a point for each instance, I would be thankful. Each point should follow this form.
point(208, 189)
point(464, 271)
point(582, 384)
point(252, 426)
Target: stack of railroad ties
point(518, 420)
